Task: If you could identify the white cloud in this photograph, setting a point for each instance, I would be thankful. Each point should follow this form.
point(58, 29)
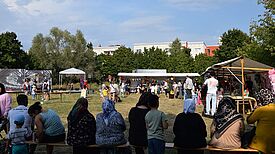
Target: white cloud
point(198, 4)
point(37, 7)
point(144, 22)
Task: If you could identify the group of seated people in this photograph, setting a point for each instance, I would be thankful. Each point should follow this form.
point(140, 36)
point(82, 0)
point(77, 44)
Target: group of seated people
point(147, 126)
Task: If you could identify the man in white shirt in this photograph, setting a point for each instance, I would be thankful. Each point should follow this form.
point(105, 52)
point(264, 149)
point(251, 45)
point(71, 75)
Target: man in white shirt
point(22, 109)
point(212, 87)
point(188, 86)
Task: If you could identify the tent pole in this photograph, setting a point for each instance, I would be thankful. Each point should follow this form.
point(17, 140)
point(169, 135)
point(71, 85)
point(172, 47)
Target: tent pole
point(235, 76)
point(242, 64)
point(59, 81)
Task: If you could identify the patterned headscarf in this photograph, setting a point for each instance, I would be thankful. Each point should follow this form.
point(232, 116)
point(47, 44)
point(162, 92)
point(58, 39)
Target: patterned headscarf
point(226, 115)
point(264, 97)
point(108, 107)
point(79, 110)
point(189, 106)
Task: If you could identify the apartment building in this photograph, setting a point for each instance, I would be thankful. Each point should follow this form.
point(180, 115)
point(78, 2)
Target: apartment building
point(196, 47)
point(108, 50)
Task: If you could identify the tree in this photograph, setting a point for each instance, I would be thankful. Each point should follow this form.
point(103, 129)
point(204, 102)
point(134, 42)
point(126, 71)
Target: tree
point(263, 33)
point(231, 40)
point(176, 46)
point(61, 50)
point(179, 59)
point(203, 61)
point(122, 61)
point(154, 58)
point(11, 54)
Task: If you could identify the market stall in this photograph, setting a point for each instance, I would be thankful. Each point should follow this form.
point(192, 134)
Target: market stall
point(239, 67)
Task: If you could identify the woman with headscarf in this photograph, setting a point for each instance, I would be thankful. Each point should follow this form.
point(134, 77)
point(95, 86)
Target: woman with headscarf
point(227, 126)
point(81, 127)
point(189, 129)
point(137, 130)
point(264, 139)
point(5, 104)
point(110, 125)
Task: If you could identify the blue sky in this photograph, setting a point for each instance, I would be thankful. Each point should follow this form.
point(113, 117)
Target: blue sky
point(127, 22)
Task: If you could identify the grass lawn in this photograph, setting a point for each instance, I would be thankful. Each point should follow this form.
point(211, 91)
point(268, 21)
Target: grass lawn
point(170, 106)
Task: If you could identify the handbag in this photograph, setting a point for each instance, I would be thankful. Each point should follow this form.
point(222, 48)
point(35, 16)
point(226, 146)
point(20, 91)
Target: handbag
point(249, 133)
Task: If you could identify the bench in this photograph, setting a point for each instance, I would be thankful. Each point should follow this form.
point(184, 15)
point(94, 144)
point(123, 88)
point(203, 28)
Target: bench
point(123, 146)
point(167, 146)
point(210, 148)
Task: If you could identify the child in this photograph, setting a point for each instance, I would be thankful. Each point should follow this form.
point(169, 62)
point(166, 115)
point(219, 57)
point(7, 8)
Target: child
point(33, 92)
point(105, 92)
point(84, 92)
point(17, 137)
point(156, 122)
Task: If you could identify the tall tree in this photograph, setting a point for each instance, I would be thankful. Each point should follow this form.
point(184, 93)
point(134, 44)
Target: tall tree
point(263, 33)
point(61, 50)
point(231, 41)
point(122, 61)
point(155, 58)
point(176, 46)
point(179, 59)
point(11, 54)
point(203, 61)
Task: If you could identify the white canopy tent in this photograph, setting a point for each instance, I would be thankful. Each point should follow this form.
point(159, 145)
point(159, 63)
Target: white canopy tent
point(70, 71)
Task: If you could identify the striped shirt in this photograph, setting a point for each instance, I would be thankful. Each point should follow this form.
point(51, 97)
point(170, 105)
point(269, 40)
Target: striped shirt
point(18, 135)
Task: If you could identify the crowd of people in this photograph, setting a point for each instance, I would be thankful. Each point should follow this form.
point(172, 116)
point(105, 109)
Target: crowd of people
point(147, 125)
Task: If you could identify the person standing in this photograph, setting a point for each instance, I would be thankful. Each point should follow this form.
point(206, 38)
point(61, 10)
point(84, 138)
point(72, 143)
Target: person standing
point(188, 86)
point(137, 130)
point(26, 87)
point(212, 87)
point(156, 122)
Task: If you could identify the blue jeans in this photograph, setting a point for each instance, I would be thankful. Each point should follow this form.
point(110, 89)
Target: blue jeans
point(156, 146)
point(210, 97)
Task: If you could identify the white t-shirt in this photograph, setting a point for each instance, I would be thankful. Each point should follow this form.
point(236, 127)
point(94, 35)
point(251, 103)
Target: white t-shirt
point(212, 85)
point(188, 83)
point(21, 109)
point(114, 88)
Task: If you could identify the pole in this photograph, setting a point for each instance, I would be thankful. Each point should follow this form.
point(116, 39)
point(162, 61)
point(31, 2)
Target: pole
point(242, 64)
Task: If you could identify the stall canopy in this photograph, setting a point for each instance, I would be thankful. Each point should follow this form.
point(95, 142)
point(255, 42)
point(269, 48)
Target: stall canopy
point(239, 65)
point(71, 71)
point(249, 65)
point(158, 74)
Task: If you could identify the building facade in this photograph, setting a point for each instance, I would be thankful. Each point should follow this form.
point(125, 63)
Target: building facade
point(108, 50)
point(196, 47)
point(209, 51)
